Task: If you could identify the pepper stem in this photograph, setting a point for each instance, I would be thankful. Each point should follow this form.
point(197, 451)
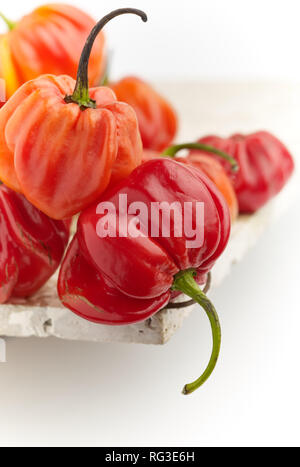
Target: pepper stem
point(81, 94)
point(184, 282)
point(173, 150)
point(10, 24)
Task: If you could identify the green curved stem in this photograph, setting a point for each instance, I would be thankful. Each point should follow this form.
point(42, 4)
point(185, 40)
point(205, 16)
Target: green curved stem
point(180, 305)
point(81, 95)
point(10, 24)
point(173, 150)
point(184, 282)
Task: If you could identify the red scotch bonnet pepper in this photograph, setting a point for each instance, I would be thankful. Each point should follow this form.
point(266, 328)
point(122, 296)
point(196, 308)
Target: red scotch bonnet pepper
point(62, 144)
point(31, 246)
point(265, 165)
point(126, 279)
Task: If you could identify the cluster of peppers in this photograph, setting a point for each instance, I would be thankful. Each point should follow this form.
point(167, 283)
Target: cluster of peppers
point(66, 145)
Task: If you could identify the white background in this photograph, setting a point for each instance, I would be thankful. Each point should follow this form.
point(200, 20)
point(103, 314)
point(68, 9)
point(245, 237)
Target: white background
point(198, 39)
point(65, 393)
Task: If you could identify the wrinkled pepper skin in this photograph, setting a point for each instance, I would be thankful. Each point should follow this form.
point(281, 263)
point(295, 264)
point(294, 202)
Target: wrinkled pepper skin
point(31, 246)
point(126, 280)
point(59, 156)
point(48, 41)
point(213, 169)
point(265, 165)
point(157, 118)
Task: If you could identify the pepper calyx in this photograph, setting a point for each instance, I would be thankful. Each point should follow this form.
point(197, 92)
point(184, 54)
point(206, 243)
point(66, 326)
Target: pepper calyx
point(10, 24)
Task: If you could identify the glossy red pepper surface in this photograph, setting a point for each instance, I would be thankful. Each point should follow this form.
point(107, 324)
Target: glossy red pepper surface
point(31, 246)
point(206, 164)
point(265, 165)
point(126, 280)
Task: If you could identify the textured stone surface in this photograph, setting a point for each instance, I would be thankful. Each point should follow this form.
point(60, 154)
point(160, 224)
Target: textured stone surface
point(223, 108)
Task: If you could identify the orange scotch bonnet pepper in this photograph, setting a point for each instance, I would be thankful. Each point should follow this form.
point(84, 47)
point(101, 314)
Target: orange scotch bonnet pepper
point(157, 118)
point(62, 144)
point(48, 40)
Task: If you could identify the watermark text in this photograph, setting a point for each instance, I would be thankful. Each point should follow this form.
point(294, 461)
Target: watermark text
point(157, 219)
